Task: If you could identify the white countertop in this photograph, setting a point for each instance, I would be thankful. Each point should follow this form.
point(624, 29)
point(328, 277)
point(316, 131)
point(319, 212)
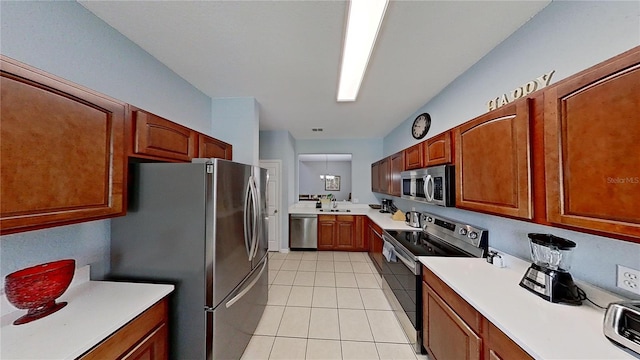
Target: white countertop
point(543, 329)
point(382, 220)
point(94, 311)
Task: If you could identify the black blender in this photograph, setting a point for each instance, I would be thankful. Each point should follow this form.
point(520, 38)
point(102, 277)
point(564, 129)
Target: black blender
point(548, 276)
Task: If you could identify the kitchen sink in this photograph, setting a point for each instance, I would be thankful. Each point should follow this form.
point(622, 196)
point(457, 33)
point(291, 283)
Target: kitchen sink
point(335, 210)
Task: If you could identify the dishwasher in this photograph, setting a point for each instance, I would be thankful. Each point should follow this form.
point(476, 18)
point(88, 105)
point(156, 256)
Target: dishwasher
point(303, 232)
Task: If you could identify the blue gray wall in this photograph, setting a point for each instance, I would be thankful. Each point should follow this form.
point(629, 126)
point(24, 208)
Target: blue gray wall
point(280, 145)
point(310, 183)
point(236, 121)
point(65, 39)
point(567, 37)
point(363, 152)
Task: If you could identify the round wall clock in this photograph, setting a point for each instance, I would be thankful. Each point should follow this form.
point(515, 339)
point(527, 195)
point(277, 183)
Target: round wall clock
point(421, 126)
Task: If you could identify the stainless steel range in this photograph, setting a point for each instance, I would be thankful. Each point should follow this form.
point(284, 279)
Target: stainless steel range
point(401, 271)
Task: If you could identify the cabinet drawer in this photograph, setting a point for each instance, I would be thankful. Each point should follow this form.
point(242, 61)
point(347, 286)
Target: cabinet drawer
point(143, 335)
point(159, 137)
point(326, 218)
point(467, 312)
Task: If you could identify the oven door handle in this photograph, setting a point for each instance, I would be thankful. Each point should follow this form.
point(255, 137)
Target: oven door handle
point(410, 264)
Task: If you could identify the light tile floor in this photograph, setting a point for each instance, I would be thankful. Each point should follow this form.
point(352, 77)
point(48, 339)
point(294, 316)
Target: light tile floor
point(327, 305)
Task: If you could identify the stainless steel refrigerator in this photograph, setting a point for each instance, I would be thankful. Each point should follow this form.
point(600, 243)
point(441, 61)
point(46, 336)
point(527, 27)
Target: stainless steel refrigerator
point(200, 226)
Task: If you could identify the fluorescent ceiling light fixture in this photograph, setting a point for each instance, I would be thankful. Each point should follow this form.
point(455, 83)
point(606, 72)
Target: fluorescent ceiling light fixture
point(363, 24)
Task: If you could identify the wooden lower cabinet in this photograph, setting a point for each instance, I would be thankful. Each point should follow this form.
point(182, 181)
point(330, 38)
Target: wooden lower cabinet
point(341, 232)
point(501, 347)
point(453, 329)
point(374, 235)
point(145, 337)
point(446, 335)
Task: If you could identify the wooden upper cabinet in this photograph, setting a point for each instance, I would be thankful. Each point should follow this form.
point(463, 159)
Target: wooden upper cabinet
point(493, 162)
point(592, 148)
point(397, 167)
point(385, 175)
point(437, 150)
point(209, 147)
point(61, 151)
point(162, 139)
point(414, 157)
point(375, 176)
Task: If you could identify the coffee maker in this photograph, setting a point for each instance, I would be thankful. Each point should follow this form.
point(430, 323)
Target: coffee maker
point(548, 276)
point(386, 206)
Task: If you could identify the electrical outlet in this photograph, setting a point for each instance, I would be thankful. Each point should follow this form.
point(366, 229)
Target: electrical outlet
point(628, 279)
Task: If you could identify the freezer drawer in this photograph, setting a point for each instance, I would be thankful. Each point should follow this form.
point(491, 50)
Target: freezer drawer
point(232, 323)
point(303, 232)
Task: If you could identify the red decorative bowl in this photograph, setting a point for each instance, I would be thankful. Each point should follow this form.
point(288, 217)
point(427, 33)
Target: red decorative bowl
point(36, 288)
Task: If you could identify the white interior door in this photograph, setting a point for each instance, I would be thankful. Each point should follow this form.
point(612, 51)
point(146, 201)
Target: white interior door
point(273, 201)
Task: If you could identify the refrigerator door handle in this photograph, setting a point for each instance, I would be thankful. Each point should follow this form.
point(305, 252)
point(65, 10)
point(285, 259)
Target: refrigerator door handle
point(254, 224)
point(247, 231)
point(253, 282)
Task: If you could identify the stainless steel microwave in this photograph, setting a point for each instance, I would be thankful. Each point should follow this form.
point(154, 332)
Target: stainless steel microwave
point(433, 185)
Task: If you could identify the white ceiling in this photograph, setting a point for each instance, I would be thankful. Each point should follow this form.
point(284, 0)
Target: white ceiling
point(286, 54)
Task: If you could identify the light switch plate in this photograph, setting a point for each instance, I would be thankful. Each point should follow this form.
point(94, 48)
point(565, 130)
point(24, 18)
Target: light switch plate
point(628, 279)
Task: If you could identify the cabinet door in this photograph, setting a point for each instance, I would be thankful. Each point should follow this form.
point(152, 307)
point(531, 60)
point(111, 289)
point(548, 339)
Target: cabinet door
point(414, 157)
point(493, 162)
point(209, 147)
point(345, 232)
point(437, 150)
point(397, 166)
point(153, 347)
point(446, 335)
point(62, 152)
point(501, 347)
point(326, 232)
point(375, 177)
point(145, 337)
point(375, 238)
point(161, 138)
point(361, 242)
point(592, 147)
point(385, 175)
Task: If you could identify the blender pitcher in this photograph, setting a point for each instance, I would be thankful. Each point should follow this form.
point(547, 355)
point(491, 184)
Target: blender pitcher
point(548, 276)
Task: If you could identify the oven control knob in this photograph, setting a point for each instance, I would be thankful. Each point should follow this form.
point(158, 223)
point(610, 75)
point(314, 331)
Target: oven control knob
point(429, 219)
point(462, 231)
point(473, 235)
